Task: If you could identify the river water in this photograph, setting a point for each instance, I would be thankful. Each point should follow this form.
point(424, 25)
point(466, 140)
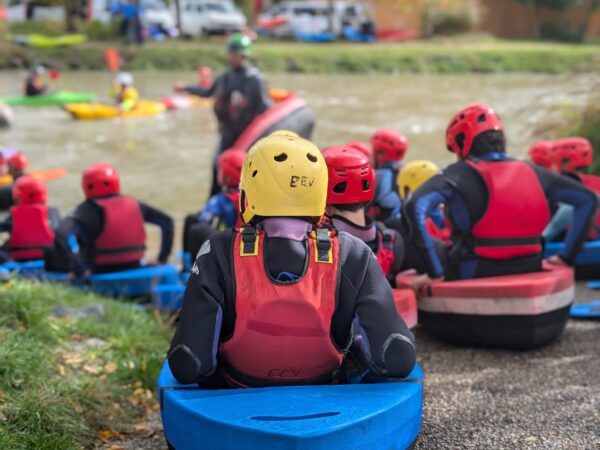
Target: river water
point(165, 161)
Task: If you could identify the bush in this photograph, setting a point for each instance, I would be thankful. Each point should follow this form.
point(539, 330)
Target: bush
point(447, 23)
point(99, 31)
point(45, 27)
point(551, 31)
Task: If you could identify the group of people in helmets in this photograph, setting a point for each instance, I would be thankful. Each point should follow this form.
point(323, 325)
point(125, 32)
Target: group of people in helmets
point(297, 288)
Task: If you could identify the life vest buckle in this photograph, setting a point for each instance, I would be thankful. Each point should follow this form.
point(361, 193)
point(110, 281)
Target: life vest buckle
point(323, 247)
point(249, 242)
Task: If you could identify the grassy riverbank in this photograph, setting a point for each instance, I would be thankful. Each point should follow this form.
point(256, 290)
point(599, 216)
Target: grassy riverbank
point(71, 383)
point(459, 55)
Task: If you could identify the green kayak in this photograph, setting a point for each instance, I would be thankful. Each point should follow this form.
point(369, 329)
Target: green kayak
point(54, 98)
point(41, 41)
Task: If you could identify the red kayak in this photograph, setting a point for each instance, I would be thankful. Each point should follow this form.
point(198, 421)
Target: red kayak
point(515, 311)
point(406, 305)
point(290, 113)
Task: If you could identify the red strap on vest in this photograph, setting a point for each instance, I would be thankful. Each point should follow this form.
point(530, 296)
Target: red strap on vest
point(282, 331)
point(123, 237)
point(385, 252)
point(516, 214)
point(30, 233)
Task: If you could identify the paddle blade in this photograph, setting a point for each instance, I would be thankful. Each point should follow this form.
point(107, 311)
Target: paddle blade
point(49, 174)
point(111, 57)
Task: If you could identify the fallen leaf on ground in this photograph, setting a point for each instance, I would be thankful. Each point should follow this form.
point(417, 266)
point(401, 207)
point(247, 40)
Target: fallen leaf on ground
point(61, 370)
point(138, 391)
point(116, 447)
point(91, 369)
point(107, 435)
point(73, 359)
point(110, 367)
point(2, 417)
point(77, 337)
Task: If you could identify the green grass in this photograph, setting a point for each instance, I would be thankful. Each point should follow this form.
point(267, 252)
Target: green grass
point(457, 55)
point(56, 392)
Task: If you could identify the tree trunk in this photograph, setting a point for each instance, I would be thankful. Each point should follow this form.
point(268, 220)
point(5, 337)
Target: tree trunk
point(330, 16)
point(536, 20)
point(178, 14)
point(592, 8)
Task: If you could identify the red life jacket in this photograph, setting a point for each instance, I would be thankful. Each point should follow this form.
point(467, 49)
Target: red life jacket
point(30, 233)
point(282, 330)
point(385, 249)
point(516, 214)
point(123, 237)
point(234, 196)
point(592, 182)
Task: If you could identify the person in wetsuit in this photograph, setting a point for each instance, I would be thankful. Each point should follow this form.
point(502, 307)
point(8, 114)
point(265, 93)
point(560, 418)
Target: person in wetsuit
point(33, 84)
point(497, 206)
point(389, 148)
point(351, 188)
point(283, 301)
point(240, 96)
point(109, 227)
point(222, 209)
point(31, 225)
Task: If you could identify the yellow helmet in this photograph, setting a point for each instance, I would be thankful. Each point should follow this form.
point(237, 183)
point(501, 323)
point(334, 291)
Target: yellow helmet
point(284, 133)
point(414, 174)
point(285, 176)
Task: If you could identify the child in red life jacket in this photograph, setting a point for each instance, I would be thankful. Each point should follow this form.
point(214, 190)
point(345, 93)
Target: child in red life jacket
point(497, 206)
point(222, 209)
point(281, 300)
point(109, 227)
point(389, 148)
point(351, 188)
point(31, 226)
point(573, 156)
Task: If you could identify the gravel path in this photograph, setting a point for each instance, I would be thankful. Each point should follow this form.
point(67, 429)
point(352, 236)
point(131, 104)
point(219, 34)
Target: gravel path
point(493, 399)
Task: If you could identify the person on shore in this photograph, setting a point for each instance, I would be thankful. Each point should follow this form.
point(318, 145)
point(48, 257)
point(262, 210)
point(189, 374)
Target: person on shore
point(572, 157)
point(109, 227)
point(389, 148)
point(351, 189)
point(34, 85)
point(240, 96)
point(497, 206)
point(125, 94)
point(540, 154)
point(283, 272)
point(222, 209)
point(31, 225)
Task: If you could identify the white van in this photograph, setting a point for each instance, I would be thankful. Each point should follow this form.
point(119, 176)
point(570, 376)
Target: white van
point(154, 12)
point(204, 17)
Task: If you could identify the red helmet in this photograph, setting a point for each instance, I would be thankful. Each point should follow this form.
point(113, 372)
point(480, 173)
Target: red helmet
point(467, 125)
point(100, 179)
point(351, 177)
point(572, 153)
point(28, 190)
point(18, 162)
point(363, 147)
point(230, 167)
point(388, 146)
point(540, 153)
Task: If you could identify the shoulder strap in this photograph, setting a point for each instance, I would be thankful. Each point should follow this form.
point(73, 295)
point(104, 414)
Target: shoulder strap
point(248, 242)
point(323, 246)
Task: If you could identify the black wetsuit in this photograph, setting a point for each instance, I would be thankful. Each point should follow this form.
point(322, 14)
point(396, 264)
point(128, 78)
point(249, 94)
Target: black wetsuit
point(240, 95)
point(31, 90)
point(363, 297)
point(463, 192)
point(86, 222)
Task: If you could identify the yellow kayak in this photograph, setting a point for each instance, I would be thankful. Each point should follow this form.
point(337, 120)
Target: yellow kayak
point(100, 111)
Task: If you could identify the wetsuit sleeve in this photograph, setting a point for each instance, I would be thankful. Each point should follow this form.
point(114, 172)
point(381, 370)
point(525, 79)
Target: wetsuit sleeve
point(167, 228)
point(6, 225)
point(202, 92)
point(213, 209)
point(365, 298)
point(561, 189)
point(193, 353)
point(257, 97)
point(423, 203)
point(561, 219)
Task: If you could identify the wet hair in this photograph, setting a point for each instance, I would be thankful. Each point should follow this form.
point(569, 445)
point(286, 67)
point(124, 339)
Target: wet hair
point(488, 142)
point(353, 207)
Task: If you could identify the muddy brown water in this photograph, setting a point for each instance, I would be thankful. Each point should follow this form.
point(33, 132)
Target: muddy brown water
point(165, 160)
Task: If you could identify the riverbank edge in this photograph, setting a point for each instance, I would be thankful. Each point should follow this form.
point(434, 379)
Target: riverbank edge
point(83, 378)
point(415, 57)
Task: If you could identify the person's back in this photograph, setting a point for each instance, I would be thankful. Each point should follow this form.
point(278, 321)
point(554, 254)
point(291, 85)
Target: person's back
point(351, 189)
point(498, 207)
point(275, 303)
point(109, 227)
point(33, 83)
point(389, 148)
point(31, 234)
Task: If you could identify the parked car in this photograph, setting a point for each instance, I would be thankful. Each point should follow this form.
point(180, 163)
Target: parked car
point(204, 17)
point(154, 12)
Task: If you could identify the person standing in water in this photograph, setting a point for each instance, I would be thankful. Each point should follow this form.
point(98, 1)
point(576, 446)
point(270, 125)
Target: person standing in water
point(240, 94)
point(34, 85)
